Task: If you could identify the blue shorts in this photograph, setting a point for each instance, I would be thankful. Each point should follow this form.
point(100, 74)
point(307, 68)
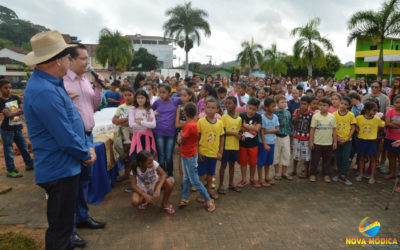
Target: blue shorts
point(387, 144)
point(207, 166)
point(230, 155)
point(264, 157)
point(367, 147)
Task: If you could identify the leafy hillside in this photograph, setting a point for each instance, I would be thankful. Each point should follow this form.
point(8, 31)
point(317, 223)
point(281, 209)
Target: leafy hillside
point(15, 31)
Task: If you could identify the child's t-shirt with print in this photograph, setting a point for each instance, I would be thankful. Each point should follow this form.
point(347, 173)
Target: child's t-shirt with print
point(302, 128)
point(123, 111)
point(285, 120)
point(269, 124)
point(11, 104)
point(343, 124)
point(210, 134)
point(393, 133)
point(148, 179)
point(324, 125)
point(368, 128)
point(251, 139)
point(231, 124)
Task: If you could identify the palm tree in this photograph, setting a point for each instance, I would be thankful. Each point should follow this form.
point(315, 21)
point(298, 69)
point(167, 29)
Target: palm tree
point(308, 47)
point(184, 26)
point(376, 25)
point(272, 61)
point(115, 50)
point(250, 54)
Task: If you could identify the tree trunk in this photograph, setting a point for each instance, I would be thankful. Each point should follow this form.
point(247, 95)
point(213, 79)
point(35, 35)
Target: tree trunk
point(187, 64)
point(310, 67)
point(380, 59)
point(114, 73)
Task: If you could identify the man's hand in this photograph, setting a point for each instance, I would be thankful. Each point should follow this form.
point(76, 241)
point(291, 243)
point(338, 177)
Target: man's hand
point(72, 94)
point(267, 148)
point(97, 84)
point(92, 159)
point(334, 146)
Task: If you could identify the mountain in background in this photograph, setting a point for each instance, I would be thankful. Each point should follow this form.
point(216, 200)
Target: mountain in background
point(229, 64)
point(16, 32)
point(349, 64)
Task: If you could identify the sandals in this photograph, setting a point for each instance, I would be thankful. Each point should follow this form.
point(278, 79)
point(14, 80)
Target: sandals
point(287, 177)
point(214, 196)
point(221, 191)
point(211, 206)
point(200, 199)
point(270, 181)
point(265, 184)
point(143, 206)
point(236, 189)
point(169, 210)
point(277, 177)
point(183, 203)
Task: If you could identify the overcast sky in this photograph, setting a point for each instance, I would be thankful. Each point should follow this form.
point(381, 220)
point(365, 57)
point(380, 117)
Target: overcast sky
point(231, 22)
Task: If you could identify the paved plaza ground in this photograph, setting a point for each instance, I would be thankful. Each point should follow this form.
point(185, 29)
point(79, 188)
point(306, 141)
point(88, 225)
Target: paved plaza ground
point(291, 215)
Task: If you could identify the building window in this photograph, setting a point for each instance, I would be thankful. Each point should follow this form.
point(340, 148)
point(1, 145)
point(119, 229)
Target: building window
point(372, 64)
point(136, 41)
point(373, 47)
point(149, 42)
point(397, 47)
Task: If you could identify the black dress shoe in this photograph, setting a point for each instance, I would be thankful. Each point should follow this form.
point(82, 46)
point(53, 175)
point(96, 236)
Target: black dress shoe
point(77, 241)
point(90, 223)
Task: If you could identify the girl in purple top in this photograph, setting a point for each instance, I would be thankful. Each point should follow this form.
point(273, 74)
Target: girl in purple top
point(164, 132)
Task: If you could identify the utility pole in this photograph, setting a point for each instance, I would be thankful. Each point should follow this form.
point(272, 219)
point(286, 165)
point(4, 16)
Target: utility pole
point(210, 59)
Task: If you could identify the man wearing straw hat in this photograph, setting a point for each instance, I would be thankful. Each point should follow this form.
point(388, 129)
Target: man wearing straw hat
point(57, 133)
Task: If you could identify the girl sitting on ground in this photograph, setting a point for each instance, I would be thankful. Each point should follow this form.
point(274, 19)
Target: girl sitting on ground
point(147, 181)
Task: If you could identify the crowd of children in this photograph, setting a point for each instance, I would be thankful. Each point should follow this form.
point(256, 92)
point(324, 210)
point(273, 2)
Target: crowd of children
point(257, 123)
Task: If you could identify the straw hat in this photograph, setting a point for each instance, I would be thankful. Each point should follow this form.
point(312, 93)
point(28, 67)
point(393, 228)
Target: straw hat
point(45, 45)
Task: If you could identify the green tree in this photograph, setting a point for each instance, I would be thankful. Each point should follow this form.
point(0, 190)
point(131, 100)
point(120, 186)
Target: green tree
point(307, 48)
point(250, 54)
point(16, 30)
point(376, 25)
point(114, 49)
point(144, 61)
point(184, 26)
point(272, 61)
point(6, 43)
point(195, 66)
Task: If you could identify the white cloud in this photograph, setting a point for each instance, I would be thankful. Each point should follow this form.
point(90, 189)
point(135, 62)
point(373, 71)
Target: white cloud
point(231, 21)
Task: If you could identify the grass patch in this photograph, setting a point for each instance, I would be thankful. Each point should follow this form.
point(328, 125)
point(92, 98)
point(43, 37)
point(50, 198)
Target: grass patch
point(342, 72)
point(17, 241)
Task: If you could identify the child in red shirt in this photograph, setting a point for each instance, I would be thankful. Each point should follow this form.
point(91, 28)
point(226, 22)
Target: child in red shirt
point(188, 140)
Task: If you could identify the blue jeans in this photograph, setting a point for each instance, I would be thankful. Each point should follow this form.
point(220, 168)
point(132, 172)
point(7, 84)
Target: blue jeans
point(82, 209)
point(8, 138)
point(165, 149)
point(191, 177)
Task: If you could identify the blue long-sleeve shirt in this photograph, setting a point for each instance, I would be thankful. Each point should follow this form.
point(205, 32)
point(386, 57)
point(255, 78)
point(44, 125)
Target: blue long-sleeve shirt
point(55, 128)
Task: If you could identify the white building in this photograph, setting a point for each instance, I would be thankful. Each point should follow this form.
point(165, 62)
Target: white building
point(155, 45)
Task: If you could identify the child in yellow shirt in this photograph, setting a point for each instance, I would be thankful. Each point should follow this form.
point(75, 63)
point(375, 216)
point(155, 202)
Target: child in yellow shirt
point(345, 127)
point(368, 125)
point(211, 143)
point(232, 124)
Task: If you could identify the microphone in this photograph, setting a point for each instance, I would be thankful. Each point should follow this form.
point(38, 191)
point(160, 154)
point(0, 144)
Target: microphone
point(94, 74)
